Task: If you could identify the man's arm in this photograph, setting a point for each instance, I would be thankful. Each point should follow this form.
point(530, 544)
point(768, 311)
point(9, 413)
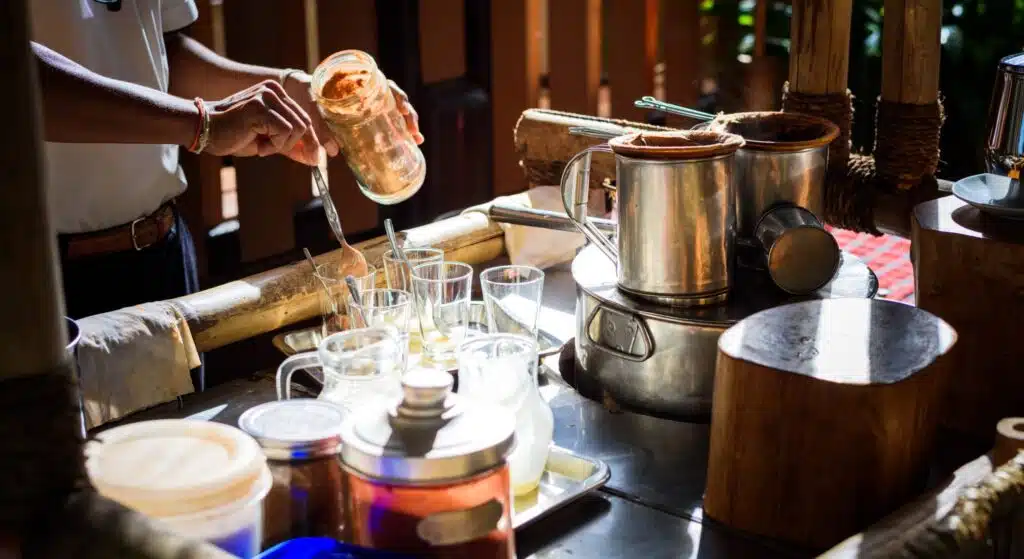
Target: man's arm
point(197, 71)
point(81, 106)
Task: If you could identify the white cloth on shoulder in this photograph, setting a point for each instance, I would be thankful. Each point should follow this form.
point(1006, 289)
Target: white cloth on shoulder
point(132, 359)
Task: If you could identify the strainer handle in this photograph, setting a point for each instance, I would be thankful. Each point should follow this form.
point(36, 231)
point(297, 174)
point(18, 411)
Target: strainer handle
point(575, 197)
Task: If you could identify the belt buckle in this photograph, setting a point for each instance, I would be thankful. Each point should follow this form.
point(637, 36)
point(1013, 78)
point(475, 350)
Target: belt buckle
point(135, 241)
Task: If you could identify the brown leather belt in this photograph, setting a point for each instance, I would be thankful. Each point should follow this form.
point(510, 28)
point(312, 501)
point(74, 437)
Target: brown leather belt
point(137, 235)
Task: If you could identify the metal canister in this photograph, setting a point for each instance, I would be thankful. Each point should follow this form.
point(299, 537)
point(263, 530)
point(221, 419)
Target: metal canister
point(801, 256)
point(429, 477)
point(1004, 140)
point(784, 159)
point(301, 440)
point(676, 218)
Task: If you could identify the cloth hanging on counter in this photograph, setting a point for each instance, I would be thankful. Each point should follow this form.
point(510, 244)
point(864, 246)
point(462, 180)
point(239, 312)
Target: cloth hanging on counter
point(132, 359)
point(534, 246)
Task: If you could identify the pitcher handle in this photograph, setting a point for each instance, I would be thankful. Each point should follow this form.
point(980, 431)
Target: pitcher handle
point(575, 199)
point(288, 367)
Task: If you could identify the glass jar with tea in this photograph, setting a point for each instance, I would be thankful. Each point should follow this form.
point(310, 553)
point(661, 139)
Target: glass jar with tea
point(355, 100)
point(428, 476)
point(301, 440)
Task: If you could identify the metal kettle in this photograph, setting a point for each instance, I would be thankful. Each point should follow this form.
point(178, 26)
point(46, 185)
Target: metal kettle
point(1004, 140)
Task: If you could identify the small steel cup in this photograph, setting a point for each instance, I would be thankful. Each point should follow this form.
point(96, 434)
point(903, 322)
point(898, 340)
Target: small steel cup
point(801, 255)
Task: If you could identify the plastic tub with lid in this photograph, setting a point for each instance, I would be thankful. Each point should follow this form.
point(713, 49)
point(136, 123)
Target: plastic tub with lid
point(200, 479)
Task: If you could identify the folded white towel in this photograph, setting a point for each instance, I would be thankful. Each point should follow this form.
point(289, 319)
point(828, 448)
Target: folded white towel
point(132, 359)
point(535, 246)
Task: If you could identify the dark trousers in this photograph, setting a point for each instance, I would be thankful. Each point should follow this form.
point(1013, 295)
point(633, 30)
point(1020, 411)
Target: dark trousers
point(107, 282)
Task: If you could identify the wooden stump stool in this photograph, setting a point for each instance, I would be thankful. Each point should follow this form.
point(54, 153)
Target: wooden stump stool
point(824, 417)
point(969, 270)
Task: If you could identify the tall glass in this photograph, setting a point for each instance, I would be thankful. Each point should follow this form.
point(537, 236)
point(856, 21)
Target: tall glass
point(399, 277)
point(385, 308)
point(513, 296)
point(501, 370)
point(442, 292)
point(334, 298)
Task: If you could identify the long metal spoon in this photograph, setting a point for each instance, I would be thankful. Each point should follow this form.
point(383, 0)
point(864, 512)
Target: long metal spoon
point(334, 221)
point(389, 230)
point(648, 102)
point(316, 274)
point(353, 290)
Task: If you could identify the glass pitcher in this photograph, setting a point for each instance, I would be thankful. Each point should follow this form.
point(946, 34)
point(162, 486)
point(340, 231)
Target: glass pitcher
point(357, 367)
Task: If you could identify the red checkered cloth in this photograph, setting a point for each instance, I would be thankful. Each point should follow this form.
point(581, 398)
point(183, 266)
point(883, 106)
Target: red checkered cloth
point(888, 257)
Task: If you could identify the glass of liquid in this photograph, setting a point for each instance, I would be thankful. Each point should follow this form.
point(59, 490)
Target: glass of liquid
point(399, 277)
point(385, 308)
point(442, 293)
point(334, 298)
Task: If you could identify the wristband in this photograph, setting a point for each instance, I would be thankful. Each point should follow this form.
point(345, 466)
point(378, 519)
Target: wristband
point(283, 76)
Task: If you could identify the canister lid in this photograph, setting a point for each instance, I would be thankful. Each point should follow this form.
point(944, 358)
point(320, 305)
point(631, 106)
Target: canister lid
point(295, 429)
point(431, 436)
point(175, 467)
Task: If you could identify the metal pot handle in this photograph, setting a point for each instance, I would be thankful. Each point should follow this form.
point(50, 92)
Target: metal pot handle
point(575, 199)
point(636, 326)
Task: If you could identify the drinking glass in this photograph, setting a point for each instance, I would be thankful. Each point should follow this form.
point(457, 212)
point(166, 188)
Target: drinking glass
point(513, 295)
point(385, 308)
point(333, 295)
point(358, 367)
point(441, 291)
point(398, 277)
point(501, 370)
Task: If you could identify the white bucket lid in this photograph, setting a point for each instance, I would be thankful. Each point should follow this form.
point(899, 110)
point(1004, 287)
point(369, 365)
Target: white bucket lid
point(174, 467)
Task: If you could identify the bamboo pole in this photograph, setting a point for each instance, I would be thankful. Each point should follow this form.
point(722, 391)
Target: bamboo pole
point(267, 301)
point(819, 52)
point(46, 507)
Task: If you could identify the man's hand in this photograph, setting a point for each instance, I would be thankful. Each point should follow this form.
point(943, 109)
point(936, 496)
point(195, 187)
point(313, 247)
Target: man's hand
point(299, 87)
point(262, 120)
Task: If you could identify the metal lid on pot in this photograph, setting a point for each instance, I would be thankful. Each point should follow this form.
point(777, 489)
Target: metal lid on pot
point(295, 429)
point(431, 436)
point(1013, 63)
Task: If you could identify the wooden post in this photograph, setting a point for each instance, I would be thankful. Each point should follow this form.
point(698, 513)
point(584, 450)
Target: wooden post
point(819, 52)
point(631, 35)
point(515, 75)
point(681, 44)
point(911, 51)
point(348, 25)
point(574, 32)
point(46, 508)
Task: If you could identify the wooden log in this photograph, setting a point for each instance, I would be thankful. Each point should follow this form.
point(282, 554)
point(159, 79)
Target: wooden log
point(265, 302)
point(544, 145)
point(819, 53)
point(824, 417)
point(42, 479)
point(969, 269)
point(911, 51)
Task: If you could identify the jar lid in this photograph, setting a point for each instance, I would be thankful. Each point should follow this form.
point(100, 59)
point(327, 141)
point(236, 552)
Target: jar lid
point(431, 436)
point(295, 429)
point(1013, 63)
point(173, 467)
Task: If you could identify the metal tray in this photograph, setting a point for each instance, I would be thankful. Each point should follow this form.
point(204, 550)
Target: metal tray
point(567, 477)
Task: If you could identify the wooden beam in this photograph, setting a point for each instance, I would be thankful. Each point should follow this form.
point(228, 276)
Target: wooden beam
point(819, 53)
point(515, 73)
point(442, 28)
point(574, 32)
point(681, 44)
point(631, 34)
point(911, 51)
point(269, 189)
point(348, 25)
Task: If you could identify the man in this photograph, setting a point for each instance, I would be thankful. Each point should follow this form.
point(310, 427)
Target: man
point(122, 89)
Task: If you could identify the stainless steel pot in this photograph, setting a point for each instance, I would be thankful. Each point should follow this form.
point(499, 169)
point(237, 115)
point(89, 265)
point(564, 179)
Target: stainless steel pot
point(675, 213)
point(784, 159)
point(661, 360)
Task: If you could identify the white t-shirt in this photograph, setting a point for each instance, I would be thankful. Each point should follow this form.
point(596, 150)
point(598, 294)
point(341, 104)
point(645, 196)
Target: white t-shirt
point(95, 186)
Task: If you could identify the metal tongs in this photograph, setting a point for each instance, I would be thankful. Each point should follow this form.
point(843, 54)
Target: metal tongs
point(648, 102)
